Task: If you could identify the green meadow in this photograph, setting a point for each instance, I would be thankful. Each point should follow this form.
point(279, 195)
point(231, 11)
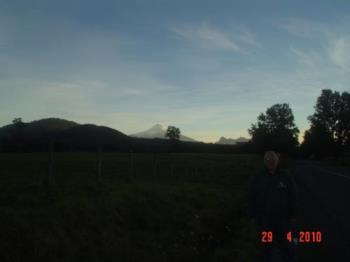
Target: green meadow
point(126, 207)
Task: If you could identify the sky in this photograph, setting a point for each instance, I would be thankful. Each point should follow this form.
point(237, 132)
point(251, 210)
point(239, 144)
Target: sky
point(207, 67)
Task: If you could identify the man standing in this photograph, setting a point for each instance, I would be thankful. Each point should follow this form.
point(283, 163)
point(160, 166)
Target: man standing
point(273, 200)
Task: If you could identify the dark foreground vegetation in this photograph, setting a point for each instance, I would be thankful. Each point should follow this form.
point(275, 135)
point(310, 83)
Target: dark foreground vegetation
point(163, 207)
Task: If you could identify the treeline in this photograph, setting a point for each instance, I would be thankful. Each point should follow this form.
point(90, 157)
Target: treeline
point(328, 135)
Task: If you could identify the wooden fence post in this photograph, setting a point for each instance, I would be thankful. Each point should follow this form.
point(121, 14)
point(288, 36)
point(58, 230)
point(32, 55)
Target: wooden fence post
point(99, 163)
point(131, 163)
point(49, 175)
point(187, 164)
point(171, 166)
point(154, 164)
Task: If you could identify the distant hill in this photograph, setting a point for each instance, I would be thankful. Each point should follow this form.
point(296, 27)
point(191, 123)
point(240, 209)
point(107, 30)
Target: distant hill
point(231, 141)
point(32, 136)
point(159, 131)
point(51, 124)
point(88, 136)
point(38, 127)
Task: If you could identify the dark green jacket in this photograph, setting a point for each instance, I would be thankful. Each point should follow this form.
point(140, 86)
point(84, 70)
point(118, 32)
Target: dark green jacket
point(273, 198)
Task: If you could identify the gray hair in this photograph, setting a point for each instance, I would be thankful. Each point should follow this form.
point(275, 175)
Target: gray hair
point(271, 154)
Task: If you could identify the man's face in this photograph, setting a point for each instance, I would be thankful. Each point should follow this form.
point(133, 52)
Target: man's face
point(271, 160)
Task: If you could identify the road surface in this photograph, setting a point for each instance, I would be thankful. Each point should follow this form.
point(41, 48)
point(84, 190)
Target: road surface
point(324, 205)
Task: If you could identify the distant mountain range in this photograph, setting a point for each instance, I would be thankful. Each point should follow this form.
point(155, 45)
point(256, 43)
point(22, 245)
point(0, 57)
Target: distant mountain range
point(231, 141)
point(67, 135)
point(159, 131)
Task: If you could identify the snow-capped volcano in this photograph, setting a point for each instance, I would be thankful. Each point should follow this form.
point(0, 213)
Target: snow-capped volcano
point(231, 141)
point(158, 131)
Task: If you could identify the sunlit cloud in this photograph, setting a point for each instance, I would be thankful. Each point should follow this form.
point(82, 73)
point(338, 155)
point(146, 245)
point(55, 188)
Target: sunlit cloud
point(339, 52)
point(305, 28)
point(212, 38)
point(331, 39)
point(308, 58)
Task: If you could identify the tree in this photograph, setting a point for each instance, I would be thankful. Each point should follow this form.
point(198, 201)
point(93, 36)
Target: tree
point(17, 121)
point(275, 130)
point(18, 125)
point(173, 133)
point(343, 128)
point(17, 133)
point(316, 142)
point(329, 133)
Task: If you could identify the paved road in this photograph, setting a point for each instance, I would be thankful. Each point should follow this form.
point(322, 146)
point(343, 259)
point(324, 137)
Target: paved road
point(324, 201)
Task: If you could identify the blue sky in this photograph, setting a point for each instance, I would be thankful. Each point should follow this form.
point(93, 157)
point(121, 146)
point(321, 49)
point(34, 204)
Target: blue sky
point(208, 67)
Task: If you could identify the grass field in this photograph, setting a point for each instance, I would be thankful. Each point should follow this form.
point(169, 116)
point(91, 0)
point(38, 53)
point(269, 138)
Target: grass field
point(143, 207)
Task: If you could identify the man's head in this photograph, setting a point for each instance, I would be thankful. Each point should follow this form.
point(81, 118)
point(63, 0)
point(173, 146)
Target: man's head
point(271, 160)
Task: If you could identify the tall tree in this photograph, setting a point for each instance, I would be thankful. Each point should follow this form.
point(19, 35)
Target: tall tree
point(275, 130)
point(343, 128)
point(329, 133)
point(173, 133)
point(317, 141)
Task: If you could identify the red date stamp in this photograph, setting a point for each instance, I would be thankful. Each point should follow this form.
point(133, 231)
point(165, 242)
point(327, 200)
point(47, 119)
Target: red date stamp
point(300, 237)
point(266, 236)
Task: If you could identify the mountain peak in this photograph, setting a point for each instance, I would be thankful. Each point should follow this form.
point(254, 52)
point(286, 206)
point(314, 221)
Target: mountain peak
point(159, 131)
point(157, 127)
point(231, 141)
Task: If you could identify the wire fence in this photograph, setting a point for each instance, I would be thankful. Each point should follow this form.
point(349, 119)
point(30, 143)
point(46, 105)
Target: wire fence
point(90, 168)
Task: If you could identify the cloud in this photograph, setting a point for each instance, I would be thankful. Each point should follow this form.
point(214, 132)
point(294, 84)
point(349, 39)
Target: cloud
point(308, 58)
point(209, 37)
point(330, 42)
point(246, 37)
point(339, 52)
point(304, 28)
